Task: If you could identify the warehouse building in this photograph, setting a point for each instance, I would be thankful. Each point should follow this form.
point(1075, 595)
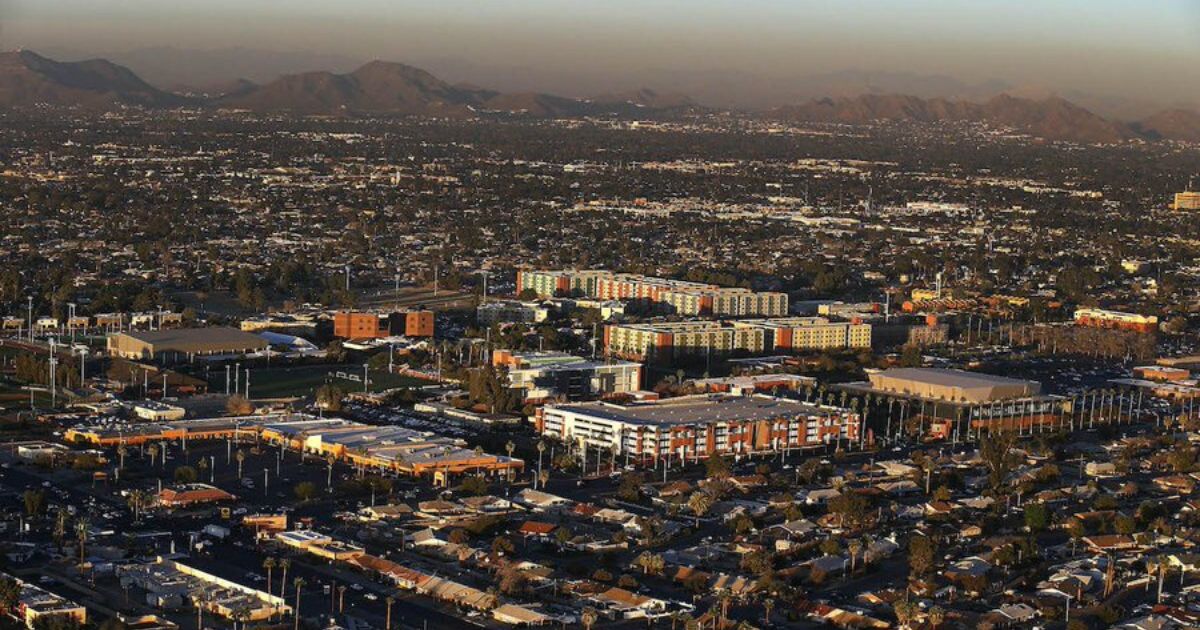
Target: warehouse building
point(183, 344)
point(699, 426)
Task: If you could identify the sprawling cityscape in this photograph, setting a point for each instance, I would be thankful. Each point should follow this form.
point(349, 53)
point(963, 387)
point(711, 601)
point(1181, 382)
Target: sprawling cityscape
point(374, 351)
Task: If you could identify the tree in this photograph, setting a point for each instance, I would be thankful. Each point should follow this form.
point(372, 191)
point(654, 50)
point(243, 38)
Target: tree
point(716, 467)
point(269, 566)
point(851, 506)
point(630, 487)
point(1037, 517)
point(10, 593)
point(855, 547)
point(299, 584)
point(502, 545)
point(996, 450)
point(240, 456)
point(474, 485)
point(651, 563)
point(588, 617)
point(186, 474)
point(35, 502)
point(237, 405)
point(305, 490)
point(937, 615)
point(284, 565)
point(920, 555)
point(330, 397)
point(699, 503)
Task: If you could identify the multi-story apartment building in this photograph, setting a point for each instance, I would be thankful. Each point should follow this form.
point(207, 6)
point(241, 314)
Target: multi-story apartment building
point(668, 340)
point(725, 302)
point(699, 426)
point(811, 333)
point(677, 296)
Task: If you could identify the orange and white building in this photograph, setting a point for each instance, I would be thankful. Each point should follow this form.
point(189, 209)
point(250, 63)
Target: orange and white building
point(1100, 318)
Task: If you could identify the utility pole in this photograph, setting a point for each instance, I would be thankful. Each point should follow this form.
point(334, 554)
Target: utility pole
point(30, 318)
point(246, 389)
point(71, 320)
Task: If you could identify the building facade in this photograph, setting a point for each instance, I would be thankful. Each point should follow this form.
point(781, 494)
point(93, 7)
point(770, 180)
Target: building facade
point(700, 426)
point(1100, 318)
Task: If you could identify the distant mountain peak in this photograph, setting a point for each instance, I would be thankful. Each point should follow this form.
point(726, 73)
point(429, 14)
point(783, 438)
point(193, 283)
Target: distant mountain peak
point(1052, 117)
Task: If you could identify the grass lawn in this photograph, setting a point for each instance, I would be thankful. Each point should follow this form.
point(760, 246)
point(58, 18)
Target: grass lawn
point(301, 380)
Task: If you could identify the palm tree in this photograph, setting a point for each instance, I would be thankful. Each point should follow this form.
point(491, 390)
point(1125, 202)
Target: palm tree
point(936, 616)
point(855, 547)
point(389, 601)
point(541, 448)
point(81, 532)
point(269, 564)
point(299, 584)
point(122, 451)
point(768, 605)
point(60, 527)
point(241, 457)
point(588, 617)
point(202, 466)
point(153, 451)
point(284, 565)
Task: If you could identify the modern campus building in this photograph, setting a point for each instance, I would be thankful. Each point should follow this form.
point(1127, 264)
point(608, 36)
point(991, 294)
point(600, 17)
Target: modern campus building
point(364, 325)
point(941, 401)
point(679, 297)
point(542, 376)
point(700, 425)
point(183, 344)
point(669, 340)
point(1100, 318)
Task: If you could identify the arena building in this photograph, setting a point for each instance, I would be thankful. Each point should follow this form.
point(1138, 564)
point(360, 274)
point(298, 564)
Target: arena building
point(183, 344)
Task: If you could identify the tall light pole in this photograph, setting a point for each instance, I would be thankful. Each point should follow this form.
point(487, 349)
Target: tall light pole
point(366, 378)
point(53, 366)
point(82, 365)
point(347, 277)
point(71, 319)
point(30, 298)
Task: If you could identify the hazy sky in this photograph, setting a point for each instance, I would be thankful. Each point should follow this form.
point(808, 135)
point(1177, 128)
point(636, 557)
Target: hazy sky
point(1144, 49)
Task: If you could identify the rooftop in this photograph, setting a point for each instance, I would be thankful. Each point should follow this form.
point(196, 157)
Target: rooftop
point(700, 409)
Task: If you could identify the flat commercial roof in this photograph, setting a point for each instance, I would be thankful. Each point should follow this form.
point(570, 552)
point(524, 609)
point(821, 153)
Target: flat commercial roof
point(950, 385)
point(197, 339)
point(701, 409)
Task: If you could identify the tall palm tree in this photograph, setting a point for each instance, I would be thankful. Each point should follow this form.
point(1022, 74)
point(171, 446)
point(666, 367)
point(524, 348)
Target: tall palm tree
point(299, 584)
point(768, 606)
point(81, 532)
point(284, 565)
point(268, 563)
point(241, 458)
point(122, 451)
point(936, 616)
point(153, 451)
point(389, 601)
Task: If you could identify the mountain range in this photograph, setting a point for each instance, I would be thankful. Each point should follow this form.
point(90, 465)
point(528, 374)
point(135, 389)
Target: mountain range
point(383, 88)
